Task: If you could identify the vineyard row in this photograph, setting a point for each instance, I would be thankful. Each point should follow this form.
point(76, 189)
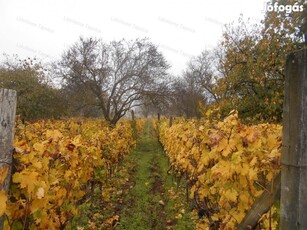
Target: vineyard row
point(227, 165)
point(57, 165)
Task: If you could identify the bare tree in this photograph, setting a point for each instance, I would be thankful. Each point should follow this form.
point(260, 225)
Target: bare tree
point(195, 85)
point(187, 94)
point(120, 74)
point(201, 69)
point(159, 100)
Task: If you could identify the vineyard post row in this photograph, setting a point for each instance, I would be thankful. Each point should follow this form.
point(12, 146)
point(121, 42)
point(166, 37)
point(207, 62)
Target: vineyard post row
point(8, 100)
point(294, 142)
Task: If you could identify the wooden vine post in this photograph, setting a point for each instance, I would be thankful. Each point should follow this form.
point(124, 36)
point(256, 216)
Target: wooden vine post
point(7, 122)
point(293, 213)
point(132, 115)
point(171, 121)
point(291, 184)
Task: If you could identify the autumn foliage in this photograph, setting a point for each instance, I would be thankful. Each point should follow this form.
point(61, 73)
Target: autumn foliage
point(227, 165)
point(57, 164)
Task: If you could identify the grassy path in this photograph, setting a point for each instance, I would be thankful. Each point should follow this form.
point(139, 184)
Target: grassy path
point(152, 203)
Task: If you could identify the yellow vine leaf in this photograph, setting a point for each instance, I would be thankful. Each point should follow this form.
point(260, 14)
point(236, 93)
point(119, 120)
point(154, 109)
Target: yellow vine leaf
point(37, 205)
point(55, 135)
point(26, 179)
point(68, 173)
point(3, 199)
point(231, 195)
point(37, 163)
point(244, 197)
point(253, 161)
point(39, 147)
point(61, 193)
point(3, 174)
point(252, 174)
point(244, 169)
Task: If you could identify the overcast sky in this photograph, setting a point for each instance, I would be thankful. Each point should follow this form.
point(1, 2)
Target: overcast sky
point(182, 28)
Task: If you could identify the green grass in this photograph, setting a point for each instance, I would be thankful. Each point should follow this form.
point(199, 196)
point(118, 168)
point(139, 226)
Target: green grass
point(138, 213)
point(171, 202)
point(152, 183)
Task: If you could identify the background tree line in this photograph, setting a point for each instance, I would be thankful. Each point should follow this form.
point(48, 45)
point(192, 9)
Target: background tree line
point(94, 78)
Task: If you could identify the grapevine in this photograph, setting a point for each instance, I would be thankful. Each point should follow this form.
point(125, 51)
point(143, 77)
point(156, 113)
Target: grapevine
point(227, 164)
point(56, 165)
